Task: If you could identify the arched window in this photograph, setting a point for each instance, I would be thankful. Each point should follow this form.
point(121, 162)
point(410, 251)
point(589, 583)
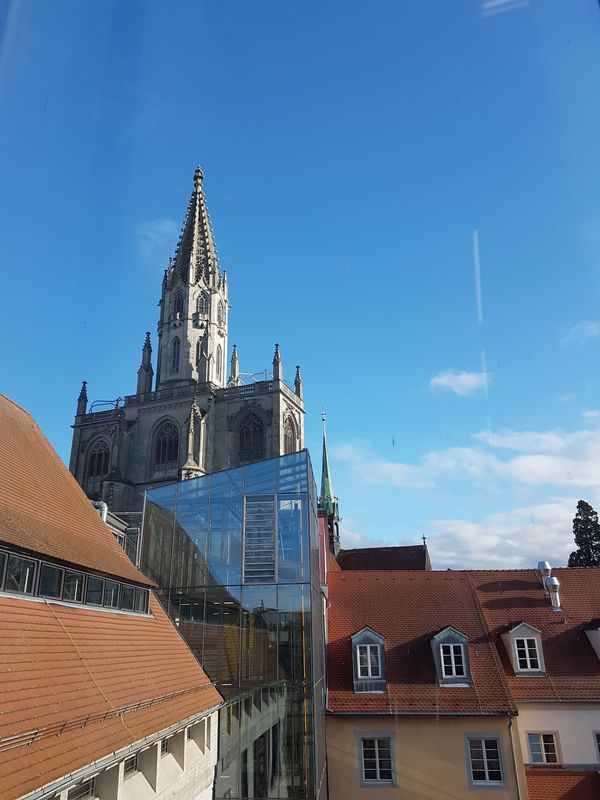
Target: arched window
point(218, 366)
point(98, 460)
point(289, 437)
point(198, 351)
point(202, 304)
point(252, 439)
point(166, 446)
point(175, 352)
point(178, 303)
point(220, 312)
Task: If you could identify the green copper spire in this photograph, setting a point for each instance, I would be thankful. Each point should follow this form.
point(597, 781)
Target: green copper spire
point(327, 499)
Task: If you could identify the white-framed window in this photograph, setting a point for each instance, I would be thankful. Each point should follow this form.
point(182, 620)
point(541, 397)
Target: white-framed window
point(453, 660)
point(376, 757)
point(368, 661)
point(543, 748)
point(485, 762)
point(527, 653)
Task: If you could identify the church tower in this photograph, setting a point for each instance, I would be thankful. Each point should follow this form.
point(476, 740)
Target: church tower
point(192, 418)
point(192, 329)
point(328, 502)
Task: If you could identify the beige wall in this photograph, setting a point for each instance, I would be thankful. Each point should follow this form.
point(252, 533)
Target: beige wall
point(574, 723)
point(429, 753)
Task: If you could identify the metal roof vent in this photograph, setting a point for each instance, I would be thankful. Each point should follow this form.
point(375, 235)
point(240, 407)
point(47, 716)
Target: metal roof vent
point(543, 571)
point(552, 586)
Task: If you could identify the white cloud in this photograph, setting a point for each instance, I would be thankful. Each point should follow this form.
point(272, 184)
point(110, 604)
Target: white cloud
point(461, 383)
point(374, 470)
point(582, 332)
point(155, 240)
point(516, 539)
point(491, 7)
point(593, 413)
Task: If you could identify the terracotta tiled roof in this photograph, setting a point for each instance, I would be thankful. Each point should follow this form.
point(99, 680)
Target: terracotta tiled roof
point(43, 509)
point(369, 558)
point(572, 667)
point(561, 784)
point(70, 680)
point(407, 608)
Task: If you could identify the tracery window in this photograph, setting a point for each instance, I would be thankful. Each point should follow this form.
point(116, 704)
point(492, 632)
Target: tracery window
point(289, 437)
point(166, 446)
point(98, 460)
point(202, 304)
point(178, 303)
point(220, 312)
point(175, 353)
point(252, 439)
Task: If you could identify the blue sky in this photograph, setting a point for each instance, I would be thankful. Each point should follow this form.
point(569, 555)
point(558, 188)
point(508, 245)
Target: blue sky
point(352, 152)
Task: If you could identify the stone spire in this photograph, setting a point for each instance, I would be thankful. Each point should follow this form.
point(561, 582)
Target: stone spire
point(82, 399)
point(234, 376)
point(298, 382)
point(328, 504)
point(196, 254)
point(145, 372)
point(277, 365)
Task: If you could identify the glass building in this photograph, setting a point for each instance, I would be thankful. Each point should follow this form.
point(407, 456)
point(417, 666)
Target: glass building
point(235, 555)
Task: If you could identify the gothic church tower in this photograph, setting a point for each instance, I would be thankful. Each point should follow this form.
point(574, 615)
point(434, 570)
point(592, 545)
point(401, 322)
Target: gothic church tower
point(194, 419)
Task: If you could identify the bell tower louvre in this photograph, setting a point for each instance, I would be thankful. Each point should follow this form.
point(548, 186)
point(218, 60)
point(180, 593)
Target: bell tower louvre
point(187, 416)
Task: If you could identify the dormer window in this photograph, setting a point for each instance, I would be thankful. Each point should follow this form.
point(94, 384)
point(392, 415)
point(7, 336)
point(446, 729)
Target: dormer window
point(368, 661)
point(450, 654)
point(527, 654)
point(523, 645)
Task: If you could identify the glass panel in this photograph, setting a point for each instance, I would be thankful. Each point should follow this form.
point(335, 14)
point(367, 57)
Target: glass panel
point(157, 540)
point(535, 748)
point(94, 591)
point(459, 669)
point(292, 540)
point(374, 662)
point(550, 748)
point(73, 586)
point(141, 601)
point(19, 575)
point(50, 581)
point(2, 565)
point(259, 539)
point(111, 594)
point(127, 597)
point(191, 536)
point(532, 652)
point(220, 657)
point(363, 663)
point(259, 635)
point(225, 532)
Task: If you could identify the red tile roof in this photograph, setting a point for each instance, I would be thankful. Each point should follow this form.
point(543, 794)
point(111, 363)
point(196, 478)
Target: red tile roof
point(76, 683)
point(407, 608)
point(43, 509)
point(572, 667)
point(404, 557)
point(68, 677)
point(560, 784)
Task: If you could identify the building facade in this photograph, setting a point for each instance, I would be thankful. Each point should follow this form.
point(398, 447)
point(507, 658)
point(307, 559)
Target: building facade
point(101, 698)
point(236, 557)
point(195, 415)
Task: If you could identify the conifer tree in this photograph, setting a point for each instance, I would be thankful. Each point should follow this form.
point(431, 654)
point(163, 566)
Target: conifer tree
point(586, 531)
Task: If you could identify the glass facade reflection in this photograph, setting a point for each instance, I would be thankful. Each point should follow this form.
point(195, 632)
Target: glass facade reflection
point(235, 555)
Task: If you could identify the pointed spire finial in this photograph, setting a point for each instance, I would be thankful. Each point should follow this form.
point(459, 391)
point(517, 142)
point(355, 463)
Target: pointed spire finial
point(298, 382)
point(277, 365)
point(198, 176)
point(82, 399)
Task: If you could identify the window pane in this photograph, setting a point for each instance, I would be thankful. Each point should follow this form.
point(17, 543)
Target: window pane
point(127, 598)
point(535, 748)
point(73, 587)
point(532, 652)
point(141, 601)
point(374, 652)
point(94, 591)
point(19, 575)
point(363, 664)
point(50, 581)
point(259, 539)
point(111, 594)
point(2, 563)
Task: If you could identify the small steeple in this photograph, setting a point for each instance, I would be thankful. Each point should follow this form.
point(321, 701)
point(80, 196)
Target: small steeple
point(234, 376)
point(298, 382)
point(82, 399)
point(145, 372)
point(328, 504)
point(277, 365)
point(196, 254)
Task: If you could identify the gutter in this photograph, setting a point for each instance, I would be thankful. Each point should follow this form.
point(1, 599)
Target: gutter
point(91, 770)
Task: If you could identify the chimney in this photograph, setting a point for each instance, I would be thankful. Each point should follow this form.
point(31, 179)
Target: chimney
point(552, 586)
point(543, 571)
